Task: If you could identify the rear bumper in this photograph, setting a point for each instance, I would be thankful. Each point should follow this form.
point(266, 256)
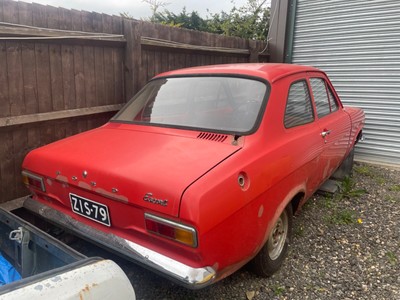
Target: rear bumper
point(193, 278)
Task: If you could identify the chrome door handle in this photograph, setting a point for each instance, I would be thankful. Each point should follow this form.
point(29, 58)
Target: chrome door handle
point(325, 133)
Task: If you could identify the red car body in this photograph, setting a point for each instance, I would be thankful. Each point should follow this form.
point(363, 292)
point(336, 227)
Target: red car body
point(191, 202)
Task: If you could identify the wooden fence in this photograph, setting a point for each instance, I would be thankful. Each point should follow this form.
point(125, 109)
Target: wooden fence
point(66, 71)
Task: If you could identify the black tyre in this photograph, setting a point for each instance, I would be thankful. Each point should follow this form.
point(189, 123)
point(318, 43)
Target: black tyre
point(345, 168)
point(272, 254)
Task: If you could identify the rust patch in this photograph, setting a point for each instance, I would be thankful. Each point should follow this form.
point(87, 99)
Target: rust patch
point(111, 195)
point(84, 185)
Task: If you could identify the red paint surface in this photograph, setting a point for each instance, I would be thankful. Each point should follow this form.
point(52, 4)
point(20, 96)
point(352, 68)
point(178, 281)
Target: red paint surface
point(198, 177)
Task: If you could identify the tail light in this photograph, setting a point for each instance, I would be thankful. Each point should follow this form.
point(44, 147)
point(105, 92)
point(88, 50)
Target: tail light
point(171, 230)
point(34, 181)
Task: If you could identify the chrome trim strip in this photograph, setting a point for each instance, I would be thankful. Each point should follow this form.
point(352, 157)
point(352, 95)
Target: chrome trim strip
point(174, 224)
point(36, 177)
point(193, 278)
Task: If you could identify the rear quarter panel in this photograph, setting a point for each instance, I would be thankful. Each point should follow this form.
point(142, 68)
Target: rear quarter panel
point(233, 222)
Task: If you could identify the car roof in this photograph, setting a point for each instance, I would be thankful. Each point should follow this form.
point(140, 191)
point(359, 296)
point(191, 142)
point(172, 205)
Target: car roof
point(268, 71)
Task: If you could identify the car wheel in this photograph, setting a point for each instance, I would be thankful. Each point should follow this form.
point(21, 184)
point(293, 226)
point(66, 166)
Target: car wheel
point(272, 254)
point(345, 168)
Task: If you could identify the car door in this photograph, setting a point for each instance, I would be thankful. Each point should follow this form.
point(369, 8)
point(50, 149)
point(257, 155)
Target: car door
point(333, 123)
point(302, 135)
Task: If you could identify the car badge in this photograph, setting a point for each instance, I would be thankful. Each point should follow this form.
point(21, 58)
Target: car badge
point(148, 197)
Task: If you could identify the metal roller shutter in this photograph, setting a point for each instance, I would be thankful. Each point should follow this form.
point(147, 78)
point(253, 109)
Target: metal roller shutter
point(358, 44)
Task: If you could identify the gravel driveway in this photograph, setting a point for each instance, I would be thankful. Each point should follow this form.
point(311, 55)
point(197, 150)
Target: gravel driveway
point(345, 246)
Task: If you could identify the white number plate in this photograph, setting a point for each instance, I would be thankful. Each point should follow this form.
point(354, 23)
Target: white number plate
point(90, 209)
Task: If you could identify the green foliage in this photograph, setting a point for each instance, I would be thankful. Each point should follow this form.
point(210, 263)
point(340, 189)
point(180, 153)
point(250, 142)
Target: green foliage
point(183, 19)
point(395, 188)
point(364, 170)
point(343, 217)
point(250, 21)
point(278, 290)
point(347, 189)
point(392, 258)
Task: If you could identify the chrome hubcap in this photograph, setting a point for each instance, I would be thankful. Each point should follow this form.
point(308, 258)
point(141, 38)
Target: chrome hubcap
point(277, 237)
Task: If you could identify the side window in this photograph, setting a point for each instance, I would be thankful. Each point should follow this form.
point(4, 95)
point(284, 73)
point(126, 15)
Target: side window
point(298, 106)
point(332, 100)
point(325, 101)
point(320, 96)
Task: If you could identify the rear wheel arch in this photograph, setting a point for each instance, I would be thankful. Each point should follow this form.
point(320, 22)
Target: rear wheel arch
point(296, 201)
point(272, 254)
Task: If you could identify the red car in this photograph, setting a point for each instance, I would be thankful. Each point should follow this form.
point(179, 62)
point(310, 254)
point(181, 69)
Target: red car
point(201, 172)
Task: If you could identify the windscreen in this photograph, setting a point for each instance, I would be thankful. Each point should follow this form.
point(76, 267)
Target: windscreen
point(227, 104)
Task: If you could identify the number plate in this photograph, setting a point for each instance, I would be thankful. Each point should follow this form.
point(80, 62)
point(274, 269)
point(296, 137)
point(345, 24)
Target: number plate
point(90, 209)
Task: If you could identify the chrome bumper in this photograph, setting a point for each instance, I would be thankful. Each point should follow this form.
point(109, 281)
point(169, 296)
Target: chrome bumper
point(193, 278)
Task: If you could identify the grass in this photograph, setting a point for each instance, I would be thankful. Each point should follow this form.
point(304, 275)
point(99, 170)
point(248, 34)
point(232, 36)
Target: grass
point(278, 290)
point(342, 217)
point(392, 258)
point(337, 214)
point(391, 199)
point(347, 189)
point(364, 170)
point(395, 188)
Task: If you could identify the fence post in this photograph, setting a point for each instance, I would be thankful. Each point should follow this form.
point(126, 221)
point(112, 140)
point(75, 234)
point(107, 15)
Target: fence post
point(133, 57)
point(253, 51)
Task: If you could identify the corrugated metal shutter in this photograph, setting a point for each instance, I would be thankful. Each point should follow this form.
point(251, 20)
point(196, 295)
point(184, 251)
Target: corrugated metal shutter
point(358, 44)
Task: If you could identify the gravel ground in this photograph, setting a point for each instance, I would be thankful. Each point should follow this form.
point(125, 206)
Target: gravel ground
point(345, 246)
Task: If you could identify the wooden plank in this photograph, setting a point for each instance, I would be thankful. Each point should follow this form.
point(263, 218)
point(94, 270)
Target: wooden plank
point(164, 61)
point(151, 42)
point(20, 141)
point(47, 134)
point(79, 80)
point(107, 23)
point(118, 67)
point(10, 12)
point(61, 130)
point(133, 58)
point(65, 18)
point(53, 19)
point(43, 77)
point(99, 63)
point(117, 25)
point(67, 61)
point(87, 21)
point(56, 115)
point(14, 33)
point(97, 22)
point(109, 82)
point(89, 75)
point(76, 20)
point(99, 76)
point(57, 89)
point(1, 12)
point(7, 166)
point(39, 15)
point(149, 56)
point(108, 63)
point(33, 136)
point(68, 78)
point(81, 125)
point(15, 84)
point(25, 13)
point(29, 78)
point(4, 95)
